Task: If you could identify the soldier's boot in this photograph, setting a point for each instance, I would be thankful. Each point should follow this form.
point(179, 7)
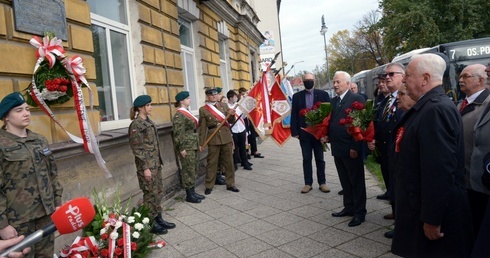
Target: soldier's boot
point(220, 179)
point(163, 223)
point(198, 196)
point(191, 197)
point(158, 229)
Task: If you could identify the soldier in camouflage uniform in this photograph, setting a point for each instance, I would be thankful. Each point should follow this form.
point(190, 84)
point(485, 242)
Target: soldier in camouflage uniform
point(29, 189)
point(143, 140)
point(221, 145)
point(186, 142)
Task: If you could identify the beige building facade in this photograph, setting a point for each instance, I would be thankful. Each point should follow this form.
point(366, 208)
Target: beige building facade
point(129, 48)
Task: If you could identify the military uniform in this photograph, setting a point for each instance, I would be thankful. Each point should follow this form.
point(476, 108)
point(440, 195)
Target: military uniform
point(186, 138)
point(143, 140)
point(219, 146)
point(29, 189)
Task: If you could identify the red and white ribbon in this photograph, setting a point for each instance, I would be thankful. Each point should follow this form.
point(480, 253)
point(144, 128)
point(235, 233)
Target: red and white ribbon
point(188, 114)
point(79, 245)
point(48, 49)
point(74, 66)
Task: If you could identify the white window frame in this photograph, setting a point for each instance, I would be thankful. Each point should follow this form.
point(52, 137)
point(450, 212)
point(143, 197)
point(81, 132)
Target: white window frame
point(194, 92)
point(109, 25)
point(223, 64)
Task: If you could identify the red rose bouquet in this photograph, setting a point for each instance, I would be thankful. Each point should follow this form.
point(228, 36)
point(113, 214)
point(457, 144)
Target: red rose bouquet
point(359, 121)
point(317, 120)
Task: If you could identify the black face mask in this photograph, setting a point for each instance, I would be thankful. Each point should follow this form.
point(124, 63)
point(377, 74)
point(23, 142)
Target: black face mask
point(308, 84)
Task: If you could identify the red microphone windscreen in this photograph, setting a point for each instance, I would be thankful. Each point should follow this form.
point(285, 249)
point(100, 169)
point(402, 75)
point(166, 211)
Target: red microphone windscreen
point(73, 215)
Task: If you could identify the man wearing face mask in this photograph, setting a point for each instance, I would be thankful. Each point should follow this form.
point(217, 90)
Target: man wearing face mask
point(309, 144)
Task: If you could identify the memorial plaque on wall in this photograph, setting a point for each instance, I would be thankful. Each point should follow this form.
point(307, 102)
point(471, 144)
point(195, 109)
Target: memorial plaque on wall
point(40, 16)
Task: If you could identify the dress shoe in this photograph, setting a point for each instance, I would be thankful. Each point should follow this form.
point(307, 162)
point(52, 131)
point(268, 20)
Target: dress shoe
point(233, 189)
point(389, 234)
point(389, 216)
point(247, 168)
point(342, 213)
point(248, 164)
point(208, 191)
point(248, 156)
point(356, 221)
point(258, 155)
point(324, 188)
point(158, 229)
point(236, 166)
point(341, 192)
point(383, 197)
point(306, 189)
point(220, 180)
point(165, 224)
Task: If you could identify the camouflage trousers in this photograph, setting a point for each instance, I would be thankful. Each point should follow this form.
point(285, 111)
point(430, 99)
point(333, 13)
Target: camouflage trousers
point(44, 248)
point(189, 167)
point(152, 191)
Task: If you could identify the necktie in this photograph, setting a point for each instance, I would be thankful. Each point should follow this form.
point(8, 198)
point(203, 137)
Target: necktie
point(465, 102)
point(387, 106)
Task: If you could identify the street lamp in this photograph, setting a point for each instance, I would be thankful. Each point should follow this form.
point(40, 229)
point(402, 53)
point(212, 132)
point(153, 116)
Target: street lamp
point(292, 66)
point(323, 32)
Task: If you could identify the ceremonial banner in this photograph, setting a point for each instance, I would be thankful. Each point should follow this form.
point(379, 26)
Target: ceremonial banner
point(280, 108)
point(257, 106)
point(288, 90)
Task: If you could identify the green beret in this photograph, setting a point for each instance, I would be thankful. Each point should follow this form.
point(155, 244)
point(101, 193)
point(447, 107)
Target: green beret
point(219, 89)
point(10, 101)
point(141, 101)
point(211, 91)
point(181, 95)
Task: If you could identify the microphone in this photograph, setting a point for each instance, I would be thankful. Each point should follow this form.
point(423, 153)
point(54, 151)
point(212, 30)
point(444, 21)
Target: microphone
point(70, 217)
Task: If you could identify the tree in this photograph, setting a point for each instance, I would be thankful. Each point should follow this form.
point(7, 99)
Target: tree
point(367, 38)
point(413, 24)
point(343, 52)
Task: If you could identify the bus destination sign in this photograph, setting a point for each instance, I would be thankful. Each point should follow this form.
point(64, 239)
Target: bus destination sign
point(469, 52)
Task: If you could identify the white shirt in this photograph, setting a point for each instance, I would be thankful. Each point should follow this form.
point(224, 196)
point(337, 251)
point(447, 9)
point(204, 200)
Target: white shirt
point(239, 126)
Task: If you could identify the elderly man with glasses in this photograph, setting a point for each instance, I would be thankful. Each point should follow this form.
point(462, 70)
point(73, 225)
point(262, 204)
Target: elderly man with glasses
point(472, 83)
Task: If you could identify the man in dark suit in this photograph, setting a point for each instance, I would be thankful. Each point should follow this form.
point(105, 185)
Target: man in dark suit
point(347, 152)
point(306, 99)
point(472, 83)
point(432, 211)
point(387, 116)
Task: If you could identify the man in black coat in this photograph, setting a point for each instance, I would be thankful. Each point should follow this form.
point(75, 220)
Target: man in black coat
point(432, 212)
point(306, 99)
point(387, 116)
point(347, 152)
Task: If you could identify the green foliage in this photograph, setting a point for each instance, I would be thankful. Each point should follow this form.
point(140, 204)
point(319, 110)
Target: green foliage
point(413, 24)
point(375, 169)
point(317, 114)
point(44, 73)
point(101, 228)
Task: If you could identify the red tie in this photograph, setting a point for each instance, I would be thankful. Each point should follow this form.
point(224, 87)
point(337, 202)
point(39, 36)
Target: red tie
point(465, 102)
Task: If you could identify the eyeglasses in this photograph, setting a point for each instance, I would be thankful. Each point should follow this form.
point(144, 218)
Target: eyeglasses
point(391, 74)
point(466, 76)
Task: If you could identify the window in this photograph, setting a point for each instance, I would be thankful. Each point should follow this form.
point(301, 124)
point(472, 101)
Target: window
point(111, 33)
point(188, 63)
point(223, 65)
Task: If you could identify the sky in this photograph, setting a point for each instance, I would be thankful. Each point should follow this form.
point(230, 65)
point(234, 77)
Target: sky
point(301, 23)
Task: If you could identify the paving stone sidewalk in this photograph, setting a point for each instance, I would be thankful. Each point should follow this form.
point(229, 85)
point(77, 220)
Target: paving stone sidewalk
point(269, 217)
